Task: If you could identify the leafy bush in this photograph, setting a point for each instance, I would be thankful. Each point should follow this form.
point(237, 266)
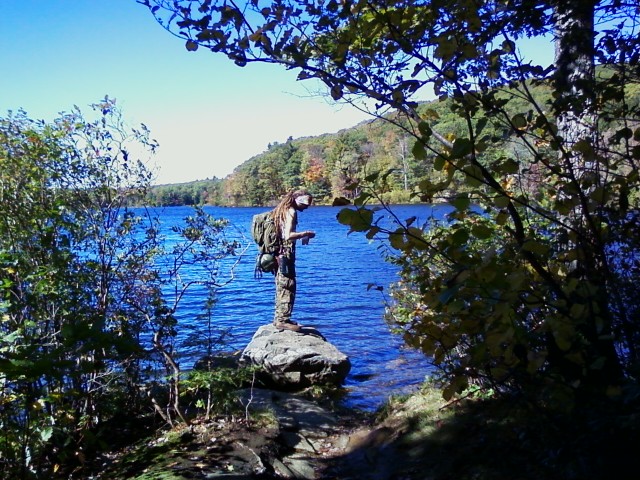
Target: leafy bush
point(84, 309)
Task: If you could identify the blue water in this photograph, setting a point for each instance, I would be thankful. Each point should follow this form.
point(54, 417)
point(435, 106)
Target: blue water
point(333, 273)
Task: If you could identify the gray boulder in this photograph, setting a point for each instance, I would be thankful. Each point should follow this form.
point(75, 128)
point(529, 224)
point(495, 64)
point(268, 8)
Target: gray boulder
point(295, 360)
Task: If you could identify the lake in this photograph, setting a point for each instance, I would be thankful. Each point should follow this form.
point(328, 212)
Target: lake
point(333, 274)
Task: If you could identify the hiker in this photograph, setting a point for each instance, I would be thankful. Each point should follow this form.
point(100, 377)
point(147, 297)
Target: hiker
point(286, 220)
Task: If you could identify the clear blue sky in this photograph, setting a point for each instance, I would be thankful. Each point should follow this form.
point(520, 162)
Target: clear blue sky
point(207, 114)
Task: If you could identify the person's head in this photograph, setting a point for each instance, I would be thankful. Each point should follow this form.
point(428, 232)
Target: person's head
point(301, 200)
point(298, 199)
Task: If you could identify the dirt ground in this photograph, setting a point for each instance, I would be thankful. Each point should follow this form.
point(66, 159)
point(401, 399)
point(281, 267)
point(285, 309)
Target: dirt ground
point(289, 436)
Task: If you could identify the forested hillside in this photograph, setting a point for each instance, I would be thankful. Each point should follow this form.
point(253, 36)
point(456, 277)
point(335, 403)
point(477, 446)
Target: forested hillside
point(327, 165)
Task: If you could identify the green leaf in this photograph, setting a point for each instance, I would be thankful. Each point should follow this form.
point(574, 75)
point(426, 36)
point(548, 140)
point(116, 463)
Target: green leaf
point(416, 238)
point(473, 175)
point(361, 199)
point(536, 247)
point(397, 95)
point(372, 177)
point(359, 220)
point(431, 114)
point(578, 310)
point(510, 166)
point(508, 46)
point(45, 433)
point(480, 125)
point(191, 46)
point(519, 121)
point(447, 46)
point(502, 217)
point(487, 274)
point(461, 202)
point(563, 336)
point(600, 195)
point(584, 147)
point(461, 147)
point(459, 237)
point(345, 216)
point(336, 92)
point(501, 201)
point(397, 240)
point(481, 231)
point(418, 150)
point(425, 129)
point(448, 294)
point(373, 231)
point(457, 386)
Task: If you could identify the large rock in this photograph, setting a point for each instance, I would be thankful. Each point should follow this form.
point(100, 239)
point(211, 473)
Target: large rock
point(295, 360)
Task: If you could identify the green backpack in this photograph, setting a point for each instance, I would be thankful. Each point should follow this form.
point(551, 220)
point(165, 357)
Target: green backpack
point(265, 234)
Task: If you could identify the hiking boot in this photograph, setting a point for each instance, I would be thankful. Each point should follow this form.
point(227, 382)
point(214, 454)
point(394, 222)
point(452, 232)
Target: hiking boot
point(294, 327)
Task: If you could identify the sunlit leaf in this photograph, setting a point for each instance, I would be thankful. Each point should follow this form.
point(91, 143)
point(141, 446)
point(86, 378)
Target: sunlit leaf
point(46, 433)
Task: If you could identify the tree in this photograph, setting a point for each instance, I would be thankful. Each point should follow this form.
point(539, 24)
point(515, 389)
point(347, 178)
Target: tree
point(71, 265)
point(521, 290)
point(83, 282)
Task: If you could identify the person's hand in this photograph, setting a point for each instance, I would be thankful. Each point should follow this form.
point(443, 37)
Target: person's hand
point(307, 235)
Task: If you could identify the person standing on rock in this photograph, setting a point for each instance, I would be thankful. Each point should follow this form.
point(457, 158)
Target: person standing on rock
point(286, 221)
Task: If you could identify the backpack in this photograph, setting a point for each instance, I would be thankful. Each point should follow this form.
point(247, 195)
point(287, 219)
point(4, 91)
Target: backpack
point(265, 234)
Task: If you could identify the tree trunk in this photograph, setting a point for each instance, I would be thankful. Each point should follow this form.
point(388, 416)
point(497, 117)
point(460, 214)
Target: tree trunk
point(574, 108)
point(574, 77)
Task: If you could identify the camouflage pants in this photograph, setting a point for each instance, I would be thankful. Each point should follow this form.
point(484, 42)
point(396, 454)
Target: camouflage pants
point(285, 296)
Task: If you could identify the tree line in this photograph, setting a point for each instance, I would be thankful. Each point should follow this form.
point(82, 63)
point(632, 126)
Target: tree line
point(328, 165)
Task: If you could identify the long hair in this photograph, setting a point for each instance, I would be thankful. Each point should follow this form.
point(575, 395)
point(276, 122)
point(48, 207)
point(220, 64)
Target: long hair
point(288, 201)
